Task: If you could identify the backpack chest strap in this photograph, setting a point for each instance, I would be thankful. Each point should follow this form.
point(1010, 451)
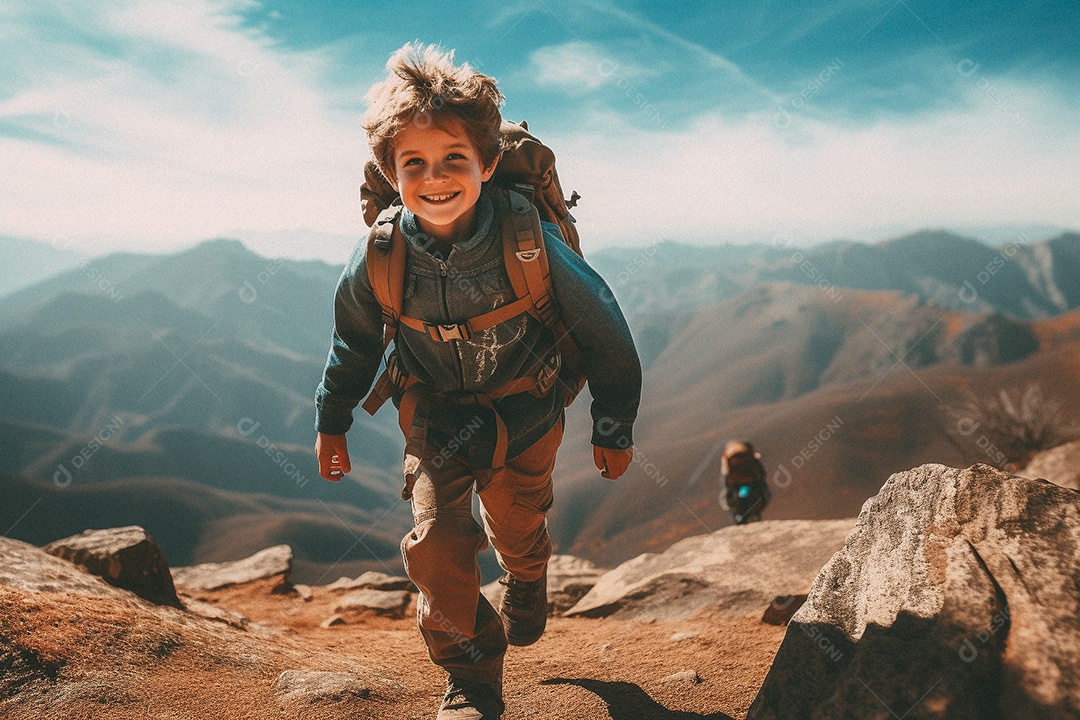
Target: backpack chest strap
point(464, 330)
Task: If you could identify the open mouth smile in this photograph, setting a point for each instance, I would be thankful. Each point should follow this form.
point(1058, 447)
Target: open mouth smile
point(440, 198)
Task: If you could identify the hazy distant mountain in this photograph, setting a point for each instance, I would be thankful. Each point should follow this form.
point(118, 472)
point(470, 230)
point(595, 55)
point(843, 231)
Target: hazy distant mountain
point(196, 368)
point(153, 375)
point(26, 262)
point(1026, 281)
point(198, 523)
point(287, 303)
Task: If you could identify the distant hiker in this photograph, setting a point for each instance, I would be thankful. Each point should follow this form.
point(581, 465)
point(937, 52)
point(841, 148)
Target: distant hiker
point(489, 316)
point(746, 490)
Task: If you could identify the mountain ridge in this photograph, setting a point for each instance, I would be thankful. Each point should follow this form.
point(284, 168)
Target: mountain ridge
point(224, 341)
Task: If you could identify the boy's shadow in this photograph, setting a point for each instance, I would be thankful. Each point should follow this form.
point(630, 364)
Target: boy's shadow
point(627, 701)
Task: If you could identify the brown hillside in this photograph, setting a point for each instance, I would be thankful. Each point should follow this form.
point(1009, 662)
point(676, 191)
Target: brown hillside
point(851, 392)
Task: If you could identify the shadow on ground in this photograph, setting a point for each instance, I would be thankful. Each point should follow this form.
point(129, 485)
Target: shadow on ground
point(627, 701)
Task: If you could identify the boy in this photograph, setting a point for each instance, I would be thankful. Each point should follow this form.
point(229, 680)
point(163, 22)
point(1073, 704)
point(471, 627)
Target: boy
point(433, 128)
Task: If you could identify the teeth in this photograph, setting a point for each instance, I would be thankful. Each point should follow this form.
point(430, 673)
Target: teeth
point(440, 198)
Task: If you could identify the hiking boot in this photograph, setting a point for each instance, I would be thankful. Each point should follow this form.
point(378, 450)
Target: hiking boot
point(523, 609)
point(465, 700)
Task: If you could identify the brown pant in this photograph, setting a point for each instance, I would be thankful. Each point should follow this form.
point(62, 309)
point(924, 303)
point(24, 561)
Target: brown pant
point(463, 632)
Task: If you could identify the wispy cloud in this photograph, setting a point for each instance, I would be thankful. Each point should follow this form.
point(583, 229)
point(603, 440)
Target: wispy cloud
point(171, 127)
point(697, 54)
point(576, 67)
point(812, 180)
point(154, 124)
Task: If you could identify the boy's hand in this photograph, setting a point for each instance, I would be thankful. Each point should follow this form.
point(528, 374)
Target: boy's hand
point(333, 454)
point(612, 462)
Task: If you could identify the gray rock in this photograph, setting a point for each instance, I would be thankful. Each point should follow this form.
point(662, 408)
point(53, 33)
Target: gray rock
point(300, 687)
point(30, 569)
point(1060, 465)
point(125, 557)
point(272, 562)
point(682, 636)
point(304, 592)
point(390, 603)
point(734, 571)
point(955, 597)
point(372, 580)
point(684, 677)
point(213, 612)
point(570, 579)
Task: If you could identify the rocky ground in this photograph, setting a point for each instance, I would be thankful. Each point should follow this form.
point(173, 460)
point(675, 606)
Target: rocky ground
point(952, 597)
point(67, 655)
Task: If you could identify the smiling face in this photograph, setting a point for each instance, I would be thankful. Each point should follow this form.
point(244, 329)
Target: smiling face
point(438, 173)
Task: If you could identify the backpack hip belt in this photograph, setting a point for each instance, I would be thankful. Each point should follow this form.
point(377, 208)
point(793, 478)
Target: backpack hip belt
point(394, 378)
point(412, 409)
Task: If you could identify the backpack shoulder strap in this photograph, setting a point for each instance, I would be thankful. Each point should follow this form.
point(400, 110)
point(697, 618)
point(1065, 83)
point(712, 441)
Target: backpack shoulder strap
point(525, 256)
point(385, 258)
point(527, 266)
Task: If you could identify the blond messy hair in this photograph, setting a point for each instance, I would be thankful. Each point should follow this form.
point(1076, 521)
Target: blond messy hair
point(426, 86)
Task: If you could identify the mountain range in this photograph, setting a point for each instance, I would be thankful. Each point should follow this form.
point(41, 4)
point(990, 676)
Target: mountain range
point(175, 391)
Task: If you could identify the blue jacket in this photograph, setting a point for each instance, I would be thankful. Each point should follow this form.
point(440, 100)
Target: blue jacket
point(471, 281)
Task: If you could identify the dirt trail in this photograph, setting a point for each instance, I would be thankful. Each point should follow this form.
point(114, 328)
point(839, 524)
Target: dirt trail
point(580, 669)
point(122, 663)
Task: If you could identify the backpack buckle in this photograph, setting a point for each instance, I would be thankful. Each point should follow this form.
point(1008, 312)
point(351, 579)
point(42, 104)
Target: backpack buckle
point(394, 371)
point(446, 333)
point(528, 255)
point(549, 372)
point(545, 310)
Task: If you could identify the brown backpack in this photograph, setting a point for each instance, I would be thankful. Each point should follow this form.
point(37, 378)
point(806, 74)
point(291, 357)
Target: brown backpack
point(740, 464)
point(526, 173)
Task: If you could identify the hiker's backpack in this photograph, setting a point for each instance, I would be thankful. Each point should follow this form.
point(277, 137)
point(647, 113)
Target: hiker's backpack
point(741, 465)
point(526, 171)
point(746, 491)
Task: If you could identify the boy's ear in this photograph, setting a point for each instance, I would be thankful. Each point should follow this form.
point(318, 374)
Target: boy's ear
point(490, 170)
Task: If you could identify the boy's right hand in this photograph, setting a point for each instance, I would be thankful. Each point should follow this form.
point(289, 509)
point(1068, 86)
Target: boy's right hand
point(333, 454)
point(612, 463)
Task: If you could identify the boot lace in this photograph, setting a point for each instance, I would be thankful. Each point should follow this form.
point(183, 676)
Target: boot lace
point(519, 593)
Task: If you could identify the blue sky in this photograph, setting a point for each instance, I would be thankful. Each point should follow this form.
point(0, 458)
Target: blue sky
point(154, 125)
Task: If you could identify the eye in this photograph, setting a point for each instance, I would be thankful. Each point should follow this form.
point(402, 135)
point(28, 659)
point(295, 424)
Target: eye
point(455, 156)
point(414, 161)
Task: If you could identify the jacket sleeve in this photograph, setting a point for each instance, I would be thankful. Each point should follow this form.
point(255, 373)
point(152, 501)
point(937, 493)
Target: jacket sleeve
point(355, 348)
point(596, 323)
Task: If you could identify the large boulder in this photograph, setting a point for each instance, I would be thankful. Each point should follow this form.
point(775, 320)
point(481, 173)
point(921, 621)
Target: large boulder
point(273, 563)
point(29, 569)
point(734, 571)
point(125, 557)
point(957, 596)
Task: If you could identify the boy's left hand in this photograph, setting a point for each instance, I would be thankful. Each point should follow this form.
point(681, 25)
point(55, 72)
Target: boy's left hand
point(612, 462)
